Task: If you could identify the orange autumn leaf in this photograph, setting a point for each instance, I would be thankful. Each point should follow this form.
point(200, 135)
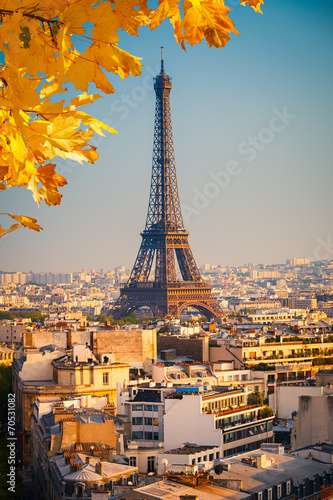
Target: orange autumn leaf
point(25, 221)
point(3, 232)
point(256, 4)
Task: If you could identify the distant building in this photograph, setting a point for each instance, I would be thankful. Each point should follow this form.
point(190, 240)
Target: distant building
point(297, 262)
point(49, 278)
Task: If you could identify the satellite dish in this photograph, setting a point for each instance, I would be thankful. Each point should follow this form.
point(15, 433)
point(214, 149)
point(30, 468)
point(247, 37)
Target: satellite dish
point(164, 462)
point(218, 469)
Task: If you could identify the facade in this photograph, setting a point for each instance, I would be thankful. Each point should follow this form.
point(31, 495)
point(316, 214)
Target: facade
point(285, 399)
point(134, 347)
point(313, 422)
point(6, 354)
point(11, 333)
point(141, 409)
point(217, 417)
point(258, 351)
point(190, 455)
point(196, 347)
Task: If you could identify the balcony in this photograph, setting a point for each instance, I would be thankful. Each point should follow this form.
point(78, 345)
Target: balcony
point(232, 411)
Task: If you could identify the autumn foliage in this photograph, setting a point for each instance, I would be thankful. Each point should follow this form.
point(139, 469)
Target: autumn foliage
point(52, 47)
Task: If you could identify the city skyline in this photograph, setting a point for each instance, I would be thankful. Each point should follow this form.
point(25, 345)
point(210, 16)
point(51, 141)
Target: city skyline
point(252, 152)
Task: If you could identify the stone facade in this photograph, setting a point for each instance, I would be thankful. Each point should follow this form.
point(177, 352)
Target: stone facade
point(130, 346)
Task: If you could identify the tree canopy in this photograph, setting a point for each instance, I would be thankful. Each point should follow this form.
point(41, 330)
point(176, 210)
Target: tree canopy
point(48, 48)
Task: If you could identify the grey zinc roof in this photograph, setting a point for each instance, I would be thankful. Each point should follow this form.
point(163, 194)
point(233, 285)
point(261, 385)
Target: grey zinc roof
point(283, 468)
point(147, 397)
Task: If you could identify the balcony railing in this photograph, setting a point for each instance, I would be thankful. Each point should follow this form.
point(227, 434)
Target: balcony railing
point(231, 411)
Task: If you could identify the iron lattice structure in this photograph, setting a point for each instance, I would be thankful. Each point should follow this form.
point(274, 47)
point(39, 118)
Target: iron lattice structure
point(153, 280)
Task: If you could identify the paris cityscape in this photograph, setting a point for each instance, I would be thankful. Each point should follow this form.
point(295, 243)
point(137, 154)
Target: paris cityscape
point(207, 383)
point(139, 362)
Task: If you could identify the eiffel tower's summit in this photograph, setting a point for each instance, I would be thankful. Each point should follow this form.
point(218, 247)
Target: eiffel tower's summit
point(153, 281)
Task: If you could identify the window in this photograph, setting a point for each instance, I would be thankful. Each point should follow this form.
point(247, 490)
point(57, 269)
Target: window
point(150, 464)
point(105, 378)
point(137, 421)
point(259, 495)
point(288, 487)
point(132, 461)
point(193, 461)
point(211, 456)
point(156, 436)
point(269, 494)
point(155, 421)
point(155, 408)
point(279, 491)
point(137, 407)
point(149, 408)
point(204, 458)
point(137, 435)
point(148, 421)
point(148, 435)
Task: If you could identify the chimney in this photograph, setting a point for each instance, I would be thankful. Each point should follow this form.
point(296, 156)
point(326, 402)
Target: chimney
point(29, 339)
point(74, 467)
point(70, 459)
point(99, 468)
point(69, 339)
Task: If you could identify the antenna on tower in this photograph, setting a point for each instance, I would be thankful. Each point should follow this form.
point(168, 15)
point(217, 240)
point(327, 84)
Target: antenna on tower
point(162, 60)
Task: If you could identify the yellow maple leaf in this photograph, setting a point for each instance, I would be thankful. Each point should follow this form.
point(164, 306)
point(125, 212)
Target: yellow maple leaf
point(114, 59)
point(48, 177)
point(25, 221)
point(93, 123)
point(256, 4)
point(3, 171)
point(83, 70)
point(84, 99)
point(166, 8)
point(3, 232)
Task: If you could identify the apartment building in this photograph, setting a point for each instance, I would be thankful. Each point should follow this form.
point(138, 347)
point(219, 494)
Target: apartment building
point(264, 350)
point(230, 418)
point(48, 371)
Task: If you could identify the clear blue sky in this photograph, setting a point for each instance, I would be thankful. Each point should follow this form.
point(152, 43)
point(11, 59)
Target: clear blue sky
point(255, 115)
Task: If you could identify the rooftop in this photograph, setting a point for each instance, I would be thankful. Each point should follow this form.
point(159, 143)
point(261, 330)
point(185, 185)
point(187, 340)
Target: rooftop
point(282, 467)
point(189, 449)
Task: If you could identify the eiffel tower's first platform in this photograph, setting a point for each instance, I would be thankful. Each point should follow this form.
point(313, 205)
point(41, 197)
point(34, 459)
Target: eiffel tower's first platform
point(153, 280)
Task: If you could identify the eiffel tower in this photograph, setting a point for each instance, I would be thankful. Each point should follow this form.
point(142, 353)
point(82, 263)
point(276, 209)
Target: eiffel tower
point(164, 236)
